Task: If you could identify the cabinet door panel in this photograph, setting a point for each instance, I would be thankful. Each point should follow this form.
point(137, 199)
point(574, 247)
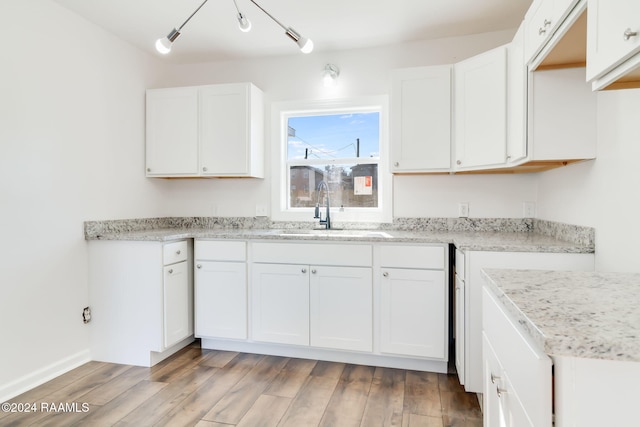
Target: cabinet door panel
point(480, 106)
point(341, 308)
point(176, 303)
point(413, 312)
point(459, 325)
point(221, 300)
point(224, 130)
point(172, 131)
point(606, 44)
point(280, 309)
point(421, 119)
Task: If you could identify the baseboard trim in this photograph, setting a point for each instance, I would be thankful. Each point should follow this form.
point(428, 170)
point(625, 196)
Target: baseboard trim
point(387, 361)
point(41, 376)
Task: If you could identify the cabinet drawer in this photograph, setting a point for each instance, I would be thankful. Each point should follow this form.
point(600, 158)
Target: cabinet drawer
point(431, 257)
point(313, 253)
point(220, 250)
point(526, 365)
point(174, 252)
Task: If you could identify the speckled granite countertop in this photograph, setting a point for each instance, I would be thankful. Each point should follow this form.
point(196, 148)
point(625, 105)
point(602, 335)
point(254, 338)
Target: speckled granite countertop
point(577, 314)
point(466, 234)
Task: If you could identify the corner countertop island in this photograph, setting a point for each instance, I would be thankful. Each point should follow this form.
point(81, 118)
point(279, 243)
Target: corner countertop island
point(574, 314)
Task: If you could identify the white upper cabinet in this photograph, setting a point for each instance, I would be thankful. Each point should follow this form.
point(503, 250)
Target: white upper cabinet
point(172, 132)
point(480, 87)
point(516, 99)
point(205, 131)
point(546, 23)
point(613, 43)
point(421, 119)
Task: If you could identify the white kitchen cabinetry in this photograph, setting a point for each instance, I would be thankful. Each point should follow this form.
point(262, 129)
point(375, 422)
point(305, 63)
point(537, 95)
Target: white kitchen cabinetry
point(312, 294)
point(413, 300)
point(421, 119)
point(516, 99)
point(544, 24)
point(613, 44)
point(474, 262)
point(341, 312)
point(280, 309)
point(517, 390)
point(480, 88)
point(205, 131)
point(459, 313)
point(141, 297)
point(220, 289)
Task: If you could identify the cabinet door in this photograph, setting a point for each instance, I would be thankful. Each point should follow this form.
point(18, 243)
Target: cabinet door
point(493, 413)
point(224, 129)
point(459, 325)
point(341, 308)
point(221, 300)
point(413, 312)
point(539, 23)
point(480, 110)
point(421, 119)
point(172, 132)
point(280, 303)
point(176, 303)
point(516, 99)
point(607, 44)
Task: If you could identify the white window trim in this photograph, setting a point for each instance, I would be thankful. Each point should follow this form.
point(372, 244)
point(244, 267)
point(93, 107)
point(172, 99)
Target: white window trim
point(280, 111)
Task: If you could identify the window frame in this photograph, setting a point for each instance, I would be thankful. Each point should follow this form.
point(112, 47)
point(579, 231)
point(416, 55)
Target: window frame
point(280, 114)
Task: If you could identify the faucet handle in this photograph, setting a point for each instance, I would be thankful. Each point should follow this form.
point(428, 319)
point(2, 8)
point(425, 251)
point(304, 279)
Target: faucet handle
point(317, 211)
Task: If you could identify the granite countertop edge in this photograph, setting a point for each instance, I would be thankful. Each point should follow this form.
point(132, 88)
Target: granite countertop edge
point(573, 314)
point(472, 241)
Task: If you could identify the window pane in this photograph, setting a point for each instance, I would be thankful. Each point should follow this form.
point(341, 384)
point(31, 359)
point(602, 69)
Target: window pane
point(334, 136)
point(350, 185)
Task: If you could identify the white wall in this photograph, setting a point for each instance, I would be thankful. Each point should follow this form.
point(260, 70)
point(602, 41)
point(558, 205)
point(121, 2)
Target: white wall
point(363, 72)
point(604, 193)
point(71, 149)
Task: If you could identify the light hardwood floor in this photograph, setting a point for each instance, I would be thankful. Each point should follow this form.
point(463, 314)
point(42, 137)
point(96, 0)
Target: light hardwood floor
point(211, 388)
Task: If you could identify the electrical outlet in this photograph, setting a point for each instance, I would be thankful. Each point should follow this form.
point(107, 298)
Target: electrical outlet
point(261, 210)
point(463, 210)
point(529, 209)
point(86, 315)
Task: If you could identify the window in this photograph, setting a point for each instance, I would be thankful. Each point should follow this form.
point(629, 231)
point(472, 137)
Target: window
point(342, 143)
point(343, 150)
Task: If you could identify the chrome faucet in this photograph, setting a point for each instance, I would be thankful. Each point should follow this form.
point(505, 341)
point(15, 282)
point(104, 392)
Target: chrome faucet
point(327, 220)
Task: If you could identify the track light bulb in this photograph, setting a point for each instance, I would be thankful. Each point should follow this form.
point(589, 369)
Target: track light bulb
point(163, 45)
point(244, 23)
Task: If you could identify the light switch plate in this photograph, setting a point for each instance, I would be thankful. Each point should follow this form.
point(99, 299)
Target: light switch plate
point(463, 210)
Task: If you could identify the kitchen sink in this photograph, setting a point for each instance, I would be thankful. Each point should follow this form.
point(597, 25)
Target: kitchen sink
point(334, 232)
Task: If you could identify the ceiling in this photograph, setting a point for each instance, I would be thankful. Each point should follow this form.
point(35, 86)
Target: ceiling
point(213, 33)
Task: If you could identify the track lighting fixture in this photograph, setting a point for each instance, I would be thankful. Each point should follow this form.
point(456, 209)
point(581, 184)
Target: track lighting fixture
point(164, 44)
point(305, 44)
point(243, 21)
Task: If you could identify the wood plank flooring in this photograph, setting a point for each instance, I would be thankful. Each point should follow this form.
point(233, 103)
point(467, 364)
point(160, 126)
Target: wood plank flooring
point(209, 388)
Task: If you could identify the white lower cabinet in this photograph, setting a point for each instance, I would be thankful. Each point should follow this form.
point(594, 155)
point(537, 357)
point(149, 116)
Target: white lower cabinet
point(413, 312)
point(221, 289)
point(141, 298)
point(177, 293)
point(474, 262)
point(280, 303)
point(517, 390)
point(366, 303)
point(341, 312)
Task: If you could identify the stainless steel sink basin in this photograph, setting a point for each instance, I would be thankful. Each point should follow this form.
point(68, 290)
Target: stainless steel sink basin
point(336, 233)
